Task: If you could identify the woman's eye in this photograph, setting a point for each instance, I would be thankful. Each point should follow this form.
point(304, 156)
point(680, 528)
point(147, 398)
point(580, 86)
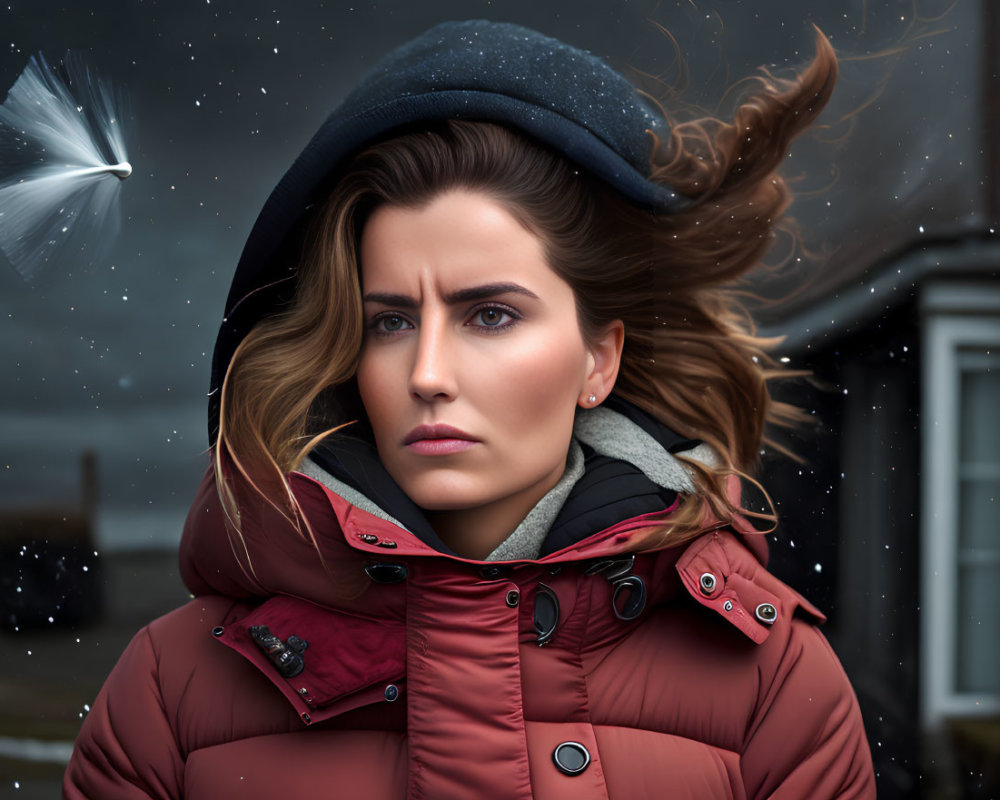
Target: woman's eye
point(493, 317)
point(390, 323)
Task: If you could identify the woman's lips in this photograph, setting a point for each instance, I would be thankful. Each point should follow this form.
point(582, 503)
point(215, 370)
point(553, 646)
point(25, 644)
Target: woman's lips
point(440, 447)
point(438, 440)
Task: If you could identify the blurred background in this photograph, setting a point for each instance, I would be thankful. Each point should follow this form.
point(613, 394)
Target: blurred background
point(892, 523)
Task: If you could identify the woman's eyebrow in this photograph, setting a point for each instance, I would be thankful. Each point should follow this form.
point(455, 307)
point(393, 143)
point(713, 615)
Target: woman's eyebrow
point(481, 292)
point(485, 291)
point(388, 299)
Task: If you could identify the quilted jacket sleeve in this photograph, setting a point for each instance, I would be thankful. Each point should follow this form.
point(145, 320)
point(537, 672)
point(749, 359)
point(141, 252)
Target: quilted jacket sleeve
point(126, 749)
point(808, 739)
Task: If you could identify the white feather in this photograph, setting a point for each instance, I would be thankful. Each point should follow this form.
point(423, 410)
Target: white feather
point(65, 202)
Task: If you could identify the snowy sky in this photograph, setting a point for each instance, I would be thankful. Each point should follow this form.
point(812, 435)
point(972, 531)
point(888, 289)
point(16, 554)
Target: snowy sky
point(114, 355)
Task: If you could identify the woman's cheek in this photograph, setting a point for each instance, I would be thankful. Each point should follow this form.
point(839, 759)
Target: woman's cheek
point(542, 379)
point(381, 384)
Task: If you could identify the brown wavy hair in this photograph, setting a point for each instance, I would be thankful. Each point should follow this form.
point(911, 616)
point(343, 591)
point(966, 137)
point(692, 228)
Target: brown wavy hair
point(690, 358)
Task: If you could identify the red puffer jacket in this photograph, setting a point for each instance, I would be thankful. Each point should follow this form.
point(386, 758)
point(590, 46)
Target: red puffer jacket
point(392, 670)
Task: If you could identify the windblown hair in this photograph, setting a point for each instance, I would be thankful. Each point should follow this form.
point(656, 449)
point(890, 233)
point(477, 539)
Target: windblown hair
point(690, 358)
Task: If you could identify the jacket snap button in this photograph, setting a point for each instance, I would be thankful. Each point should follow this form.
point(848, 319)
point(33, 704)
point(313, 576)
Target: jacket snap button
point(766, 613)
point(513, 598)
point(728, 605)
point(707, 583)
point(391, 693)
point(489, 572)
point(387, 543)
point(571, 758)
point(368, 538)
point(218, 630)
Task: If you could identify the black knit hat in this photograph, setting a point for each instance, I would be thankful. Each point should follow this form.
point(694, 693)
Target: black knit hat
point(475, 70)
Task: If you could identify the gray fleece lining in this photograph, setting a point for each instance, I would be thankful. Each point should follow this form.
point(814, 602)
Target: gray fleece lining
point(350, 494)
point(615, 436)
point(607, 432)
point(527, 539)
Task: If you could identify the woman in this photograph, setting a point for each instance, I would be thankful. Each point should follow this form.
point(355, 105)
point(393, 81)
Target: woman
point(481, 404)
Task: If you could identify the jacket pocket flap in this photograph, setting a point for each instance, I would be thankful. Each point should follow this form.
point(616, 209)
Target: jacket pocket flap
point(314, 655)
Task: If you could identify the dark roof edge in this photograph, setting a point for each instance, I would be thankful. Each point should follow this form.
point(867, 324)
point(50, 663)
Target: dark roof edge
point(851, 308)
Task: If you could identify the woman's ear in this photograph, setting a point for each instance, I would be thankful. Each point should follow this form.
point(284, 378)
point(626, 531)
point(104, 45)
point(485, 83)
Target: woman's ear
point(604, 357)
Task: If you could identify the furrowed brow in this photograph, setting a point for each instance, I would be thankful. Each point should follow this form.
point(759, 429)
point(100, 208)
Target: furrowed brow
point(472, 293)
point(486, 291)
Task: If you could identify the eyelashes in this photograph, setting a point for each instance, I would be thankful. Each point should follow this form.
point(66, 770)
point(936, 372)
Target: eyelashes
point(495, 317)
point(389, 323)
point(488, 318)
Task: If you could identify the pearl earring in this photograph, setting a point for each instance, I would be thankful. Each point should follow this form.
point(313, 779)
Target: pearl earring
point(592, 398)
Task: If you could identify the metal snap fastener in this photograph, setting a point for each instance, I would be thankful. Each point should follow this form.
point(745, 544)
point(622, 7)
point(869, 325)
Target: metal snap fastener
point(391, 693)
point(766, 613)
point(571, 758)
point(513, 598)
point(728, 605)
point(218, 630)
point(707, 582)
point(368, 538)
point(387, 543)
point(489, 572)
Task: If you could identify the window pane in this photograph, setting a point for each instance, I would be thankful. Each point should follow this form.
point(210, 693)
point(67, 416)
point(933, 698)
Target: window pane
point(979, 515)
point(978, 665)
point(978, 656)
point(980, 422)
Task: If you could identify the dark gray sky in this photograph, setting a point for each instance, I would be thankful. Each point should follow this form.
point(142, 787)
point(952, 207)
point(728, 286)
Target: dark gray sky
point(114, 355)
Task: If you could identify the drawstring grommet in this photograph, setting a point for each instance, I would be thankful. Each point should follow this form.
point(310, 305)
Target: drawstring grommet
point(766, 613)
point(387, 573)
point(617, 572)
point(546, 616)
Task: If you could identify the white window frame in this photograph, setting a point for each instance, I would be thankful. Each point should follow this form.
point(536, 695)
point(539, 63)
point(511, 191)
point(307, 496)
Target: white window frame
point(954, 316)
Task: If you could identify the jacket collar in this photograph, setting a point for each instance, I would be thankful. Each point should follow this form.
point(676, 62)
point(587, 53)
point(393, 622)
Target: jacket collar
point(353, 511)
point(354, 650)
point(340, 584)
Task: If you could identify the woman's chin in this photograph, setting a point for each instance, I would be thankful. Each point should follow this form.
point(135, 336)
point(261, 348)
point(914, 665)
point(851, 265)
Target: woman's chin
point(435, 502)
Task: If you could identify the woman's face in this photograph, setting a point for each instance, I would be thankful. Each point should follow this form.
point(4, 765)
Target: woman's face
point(473, 361)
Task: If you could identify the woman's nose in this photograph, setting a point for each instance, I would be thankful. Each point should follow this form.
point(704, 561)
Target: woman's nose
point(433, 373)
